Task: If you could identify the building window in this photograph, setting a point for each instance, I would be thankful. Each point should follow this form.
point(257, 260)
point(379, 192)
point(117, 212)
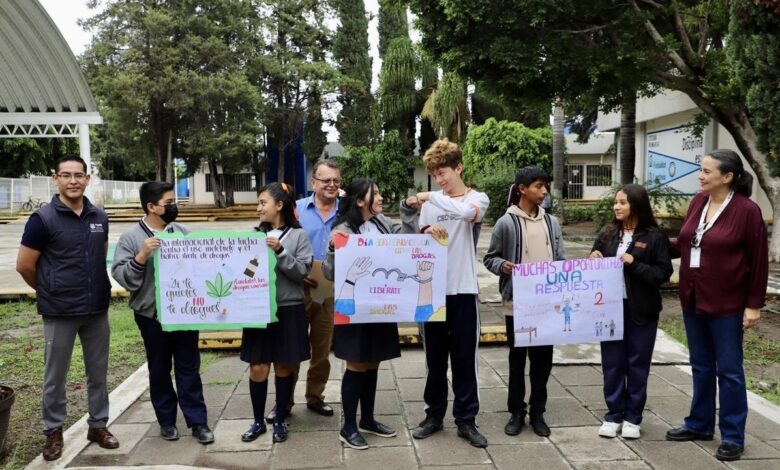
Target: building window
point(242, 182)
point(599, 175)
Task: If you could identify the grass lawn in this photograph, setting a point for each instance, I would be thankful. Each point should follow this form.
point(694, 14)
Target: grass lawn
point(21, 367)
point(759, 350)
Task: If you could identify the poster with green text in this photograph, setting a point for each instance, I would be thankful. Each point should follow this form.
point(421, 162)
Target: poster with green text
point(215, 280)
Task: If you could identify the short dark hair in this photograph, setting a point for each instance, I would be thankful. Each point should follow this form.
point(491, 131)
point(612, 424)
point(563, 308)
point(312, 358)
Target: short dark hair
point(326, 162)
point(153, 191)
point(70, 157)
point(526, 176)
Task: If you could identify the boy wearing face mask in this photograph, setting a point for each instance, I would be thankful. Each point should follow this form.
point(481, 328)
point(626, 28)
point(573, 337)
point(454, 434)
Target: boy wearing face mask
point(165, 350)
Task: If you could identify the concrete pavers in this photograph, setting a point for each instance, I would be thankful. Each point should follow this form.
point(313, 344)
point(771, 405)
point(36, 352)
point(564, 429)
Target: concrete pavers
point(574, 411)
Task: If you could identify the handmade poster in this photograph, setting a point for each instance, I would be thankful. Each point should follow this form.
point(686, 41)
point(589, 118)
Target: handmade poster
point(389, 278)
point(570, 301)
point(215, 281)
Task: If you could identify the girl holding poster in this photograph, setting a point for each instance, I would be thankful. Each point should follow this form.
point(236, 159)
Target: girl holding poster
point(633, 236)
point(285, 342)
point(723, 279)
point(362, 345)
point(525, 234)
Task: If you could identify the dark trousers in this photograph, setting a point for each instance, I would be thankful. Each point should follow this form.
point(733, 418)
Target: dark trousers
point(626, 366)
point(177, 350)
point(541, 359)
point(715, 348)
point(458, 339)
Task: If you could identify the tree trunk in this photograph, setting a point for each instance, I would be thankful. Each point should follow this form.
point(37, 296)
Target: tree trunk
point(558, 161)
point(229, 189)
point(628, 139)
point(280, 166)
point(169, 158)
point(216, 188)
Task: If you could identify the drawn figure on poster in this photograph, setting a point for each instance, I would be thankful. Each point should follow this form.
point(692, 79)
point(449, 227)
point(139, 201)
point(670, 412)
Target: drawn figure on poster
point(345, 302)
point(567, 310)
point(612, 328)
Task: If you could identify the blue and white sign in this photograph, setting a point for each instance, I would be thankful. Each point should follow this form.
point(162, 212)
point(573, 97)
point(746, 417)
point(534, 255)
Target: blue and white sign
point(673, 159)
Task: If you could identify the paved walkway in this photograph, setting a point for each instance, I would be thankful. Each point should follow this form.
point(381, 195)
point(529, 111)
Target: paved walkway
point(575, 408)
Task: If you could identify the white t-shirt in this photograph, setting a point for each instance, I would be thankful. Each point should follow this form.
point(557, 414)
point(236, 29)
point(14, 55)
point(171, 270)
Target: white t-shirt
point(458, 215)
point(621, 248)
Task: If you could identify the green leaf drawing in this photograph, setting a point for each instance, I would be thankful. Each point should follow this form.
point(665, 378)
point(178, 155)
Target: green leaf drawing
point(218, 289)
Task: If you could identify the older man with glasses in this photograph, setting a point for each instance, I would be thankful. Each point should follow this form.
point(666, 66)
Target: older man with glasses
point(316, 214)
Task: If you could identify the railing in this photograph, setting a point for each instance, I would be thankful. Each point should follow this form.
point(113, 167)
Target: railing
point(24, 194)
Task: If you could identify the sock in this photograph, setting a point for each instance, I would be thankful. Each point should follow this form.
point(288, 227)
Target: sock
point(258, 392)
point(351, 388)
point(284, 386)
point(368, 396)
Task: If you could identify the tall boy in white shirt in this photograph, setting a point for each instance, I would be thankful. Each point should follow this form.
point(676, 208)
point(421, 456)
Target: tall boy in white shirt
point(452, 213)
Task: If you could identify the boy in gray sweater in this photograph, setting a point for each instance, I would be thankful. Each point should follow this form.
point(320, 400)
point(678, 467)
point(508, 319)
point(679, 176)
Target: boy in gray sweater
point(133, 268)
point(525, 234)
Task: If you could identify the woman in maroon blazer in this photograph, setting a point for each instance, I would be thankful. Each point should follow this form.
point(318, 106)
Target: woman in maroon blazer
point(723, 279)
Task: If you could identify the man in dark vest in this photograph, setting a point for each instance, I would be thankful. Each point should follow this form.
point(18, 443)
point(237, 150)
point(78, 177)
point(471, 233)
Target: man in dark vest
point(63, 257)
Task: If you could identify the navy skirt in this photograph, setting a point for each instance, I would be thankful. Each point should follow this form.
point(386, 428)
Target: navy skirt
point(366, 342)
point(284, 341)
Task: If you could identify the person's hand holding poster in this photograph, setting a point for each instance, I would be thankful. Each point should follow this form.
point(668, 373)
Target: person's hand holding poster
point(390, 278)
point(214, 281)
point(569, 301)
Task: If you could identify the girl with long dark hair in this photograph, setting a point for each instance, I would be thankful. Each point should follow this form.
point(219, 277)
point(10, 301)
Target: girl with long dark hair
point(284, 343)
point(634, 237)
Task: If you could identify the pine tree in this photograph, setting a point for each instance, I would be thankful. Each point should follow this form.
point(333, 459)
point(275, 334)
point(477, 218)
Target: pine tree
point(350, 50)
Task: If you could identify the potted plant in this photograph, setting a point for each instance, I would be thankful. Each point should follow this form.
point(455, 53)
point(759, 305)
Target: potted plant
point(7, 398)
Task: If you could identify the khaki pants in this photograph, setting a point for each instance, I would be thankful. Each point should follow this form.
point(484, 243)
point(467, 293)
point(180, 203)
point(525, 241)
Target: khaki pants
point(320, 318)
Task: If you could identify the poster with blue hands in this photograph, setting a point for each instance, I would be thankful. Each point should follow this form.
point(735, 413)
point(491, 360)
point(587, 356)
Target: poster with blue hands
point(390, 278)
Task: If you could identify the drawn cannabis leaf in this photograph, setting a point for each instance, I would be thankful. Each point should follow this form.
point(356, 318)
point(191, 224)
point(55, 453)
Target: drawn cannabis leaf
point(218, 289)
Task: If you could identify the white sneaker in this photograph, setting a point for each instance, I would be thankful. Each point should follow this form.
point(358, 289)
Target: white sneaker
point(630, 430)
point(609, 429)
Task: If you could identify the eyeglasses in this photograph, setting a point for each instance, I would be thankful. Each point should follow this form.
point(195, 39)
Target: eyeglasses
point(329, 182)
point(69, 176)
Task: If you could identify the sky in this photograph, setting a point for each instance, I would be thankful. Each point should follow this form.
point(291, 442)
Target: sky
point(66, 14)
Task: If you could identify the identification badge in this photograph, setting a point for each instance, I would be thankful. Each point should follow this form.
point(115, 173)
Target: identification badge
point(695, 257)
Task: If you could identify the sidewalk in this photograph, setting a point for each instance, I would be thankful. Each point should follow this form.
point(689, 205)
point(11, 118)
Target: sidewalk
point(575, 408)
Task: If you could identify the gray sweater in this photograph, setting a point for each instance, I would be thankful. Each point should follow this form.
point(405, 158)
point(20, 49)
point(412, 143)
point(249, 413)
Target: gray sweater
point(293, 264)
point(385, 224)
point(138, 279)
point(504, 244)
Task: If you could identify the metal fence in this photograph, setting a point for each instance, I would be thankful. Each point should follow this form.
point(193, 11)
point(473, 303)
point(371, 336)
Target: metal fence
point(21, 194)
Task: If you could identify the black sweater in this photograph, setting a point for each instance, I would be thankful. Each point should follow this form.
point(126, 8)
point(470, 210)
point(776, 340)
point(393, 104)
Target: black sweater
point(651, 268)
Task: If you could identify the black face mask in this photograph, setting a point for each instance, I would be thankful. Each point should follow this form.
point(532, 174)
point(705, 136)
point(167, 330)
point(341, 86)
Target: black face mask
point(171, 212)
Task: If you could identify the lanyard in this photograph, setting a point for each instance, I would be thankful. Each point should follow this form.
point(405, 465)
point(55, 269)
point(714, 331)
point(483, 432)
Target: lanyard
point(704, 226)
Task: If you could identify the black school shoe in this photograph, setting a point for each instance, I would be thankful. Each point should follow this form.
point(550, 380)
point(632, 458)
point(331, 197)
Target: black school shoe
point(354, 440)
point(169, 433)
point(203, 434)
point(427, 427)
point(515, 424)
point(280, 432)
point(378, 429)
point(269, 418)
point(254, 431)
point(728, 452)
point(470, 433)
point(682, 434)
point(539, 426)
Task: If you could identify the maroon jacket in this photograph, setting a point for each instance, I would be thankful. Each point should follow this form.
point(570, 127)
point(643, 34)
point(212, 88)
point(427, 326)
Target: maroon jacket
point(734, 259)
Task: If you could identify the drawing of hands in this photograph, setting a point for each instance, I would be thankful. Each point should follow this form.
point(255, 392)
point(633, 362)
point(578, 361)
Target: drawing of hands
point(424, 271)
point(358, 269)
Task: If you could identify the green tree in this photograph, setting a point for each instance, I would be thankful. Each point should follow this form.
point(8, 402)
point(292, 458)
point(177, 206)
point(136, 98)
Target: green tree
point(350, 51)
point(24, 157)
point(314, 138)
point(293, 62)
point(393, 23)
point(592, 51)
point(494, 151)
point(388, 164)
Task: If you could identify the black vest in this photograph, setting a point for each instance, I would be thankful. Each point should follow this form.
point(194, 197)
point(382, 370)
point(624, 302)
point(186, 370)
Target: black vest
point(71, 272)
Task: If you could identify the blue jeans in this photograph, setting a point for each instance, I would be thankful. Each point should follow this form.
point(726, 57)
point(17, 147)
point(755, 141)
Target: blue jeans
point(715, 347)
